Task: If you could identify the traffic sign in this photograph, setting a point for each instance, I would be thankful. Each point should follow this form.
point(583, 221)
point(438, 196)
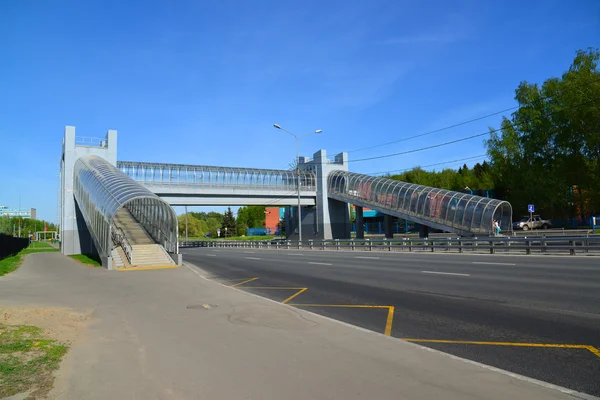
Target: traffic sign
point(531, 208)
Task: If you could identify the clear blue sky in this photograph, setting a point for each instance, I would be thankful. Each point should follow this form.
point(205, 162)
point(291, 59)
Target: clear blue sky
point(202, 82)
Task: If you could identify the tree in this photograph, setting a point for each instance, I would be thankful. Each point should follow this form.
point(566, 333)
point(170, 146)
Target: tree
point(252, 216)
point(548, 152)
point(229, 223)
point(196, 227)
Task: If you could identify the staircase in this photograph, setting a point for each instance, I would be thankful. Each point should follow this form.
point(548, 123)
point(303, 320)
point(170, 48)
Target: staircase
point(143, 249)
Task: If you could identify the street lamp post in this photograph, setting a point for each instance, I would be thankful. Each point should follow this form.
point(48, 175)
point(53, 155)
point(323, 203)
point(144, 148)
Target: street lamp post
point(298, 172)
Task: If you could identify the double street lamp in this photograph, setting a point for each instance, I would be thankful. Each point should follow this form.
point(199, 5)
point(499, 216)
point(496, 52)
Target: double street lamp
point(297, 137)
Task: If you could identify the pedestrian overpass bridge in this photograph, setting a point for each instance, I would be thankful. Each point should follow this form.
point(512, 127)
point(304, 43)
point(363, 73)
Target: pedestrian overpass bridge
point(122, 210)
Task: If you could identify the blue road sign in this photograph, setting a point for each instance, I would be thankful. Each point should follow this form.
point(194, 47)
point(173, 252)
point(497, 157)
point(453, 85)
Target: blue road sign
point(531, 208)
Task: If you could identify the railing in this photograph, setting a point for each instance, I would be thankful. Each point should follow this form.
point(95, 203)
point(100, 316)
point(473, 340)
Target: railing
point(91, 141)
point(492, 245)
point(119, 238)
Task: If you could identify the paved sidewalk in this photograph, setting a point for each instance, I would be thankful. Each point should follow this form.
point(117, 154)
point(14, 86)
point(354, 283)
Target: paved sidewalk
point(144, 343)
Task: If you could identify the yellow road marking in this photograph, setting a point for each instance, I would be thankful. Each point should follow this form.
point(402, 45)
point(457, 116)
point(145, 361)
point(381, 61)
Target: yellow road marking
point(509, 344)
point(299, 292)
point(274, 287)
point(593, 350)
point(388, 323)
point(147, 268)
point(390, 319)
point(246, 281)
point(339, 305)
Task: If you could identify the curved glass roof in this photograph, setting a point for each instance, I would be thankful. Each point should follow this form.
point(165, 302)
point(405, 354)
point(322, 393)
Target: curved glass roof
point(438, 208)
point(101, 190)
point(213, 176)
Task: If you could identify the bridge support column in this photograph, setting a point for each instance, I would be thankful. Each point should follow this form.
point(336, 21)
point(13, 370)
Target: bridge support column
point(423, 231)
point(360, 223)
point(332, 216)
point(75, 237)
point(388, 226)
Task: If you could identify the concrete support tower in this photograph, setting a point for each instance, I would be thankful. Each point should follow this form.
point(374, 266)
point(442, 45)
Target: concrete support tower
point(74, 235)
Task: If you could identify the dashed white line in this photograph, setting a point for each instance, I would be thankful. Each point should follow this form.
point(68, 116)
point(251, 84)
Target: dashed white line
point(445, 273)
point(319, 263)
point(252, 258)
point(211, 255)
point(249, 252)
point(493, 263)
point(368, 258)
point(294, 254)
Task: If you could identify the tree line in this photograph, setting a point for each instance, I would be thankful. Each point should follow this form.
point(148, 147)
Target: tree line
point(201, 224)
point(10, 226)
point(545, 153)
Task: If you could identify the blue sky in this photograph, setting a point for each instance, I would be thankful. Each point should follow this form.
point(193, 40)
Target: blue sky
point(202, 82)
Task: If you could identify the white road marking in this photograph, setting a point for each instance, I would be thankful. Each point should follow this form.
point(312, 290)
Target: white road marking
point(291, 254)
point(318, 263)
point(211, 255)
point(492, 263)
point(252, 258)
point(368, 258)
point(249, 252)
point(445, 273)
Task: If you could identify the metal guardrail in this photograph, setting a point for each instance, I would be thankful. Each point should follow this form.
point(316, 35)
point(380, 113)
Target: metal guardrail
point(119, 238)
point(492, 245)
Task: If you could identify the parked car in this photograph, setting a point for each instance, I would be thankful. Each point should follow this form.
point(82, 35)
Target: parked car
point(533, 222)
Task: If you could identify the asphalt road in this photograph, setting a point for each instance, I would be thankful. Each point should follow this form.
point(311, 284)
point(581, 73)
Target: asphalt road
point(535, 316)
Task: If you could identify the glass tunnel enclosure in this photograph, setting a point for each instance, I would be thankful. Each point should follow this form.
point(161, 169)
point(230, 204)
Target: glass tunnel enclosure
point(217, 177)
point(438, 208)
point(101, 189)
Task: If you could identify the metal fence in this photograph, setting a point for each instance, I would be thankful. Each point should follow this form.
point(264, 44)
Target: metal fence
point(548, 245)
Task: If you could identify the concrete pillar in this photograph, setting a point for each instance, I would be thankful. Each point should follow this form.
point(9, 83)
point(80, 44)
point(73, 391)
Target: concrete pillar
point(388, 226)
point(74, 234)
point(360, 223)
point(332, 217)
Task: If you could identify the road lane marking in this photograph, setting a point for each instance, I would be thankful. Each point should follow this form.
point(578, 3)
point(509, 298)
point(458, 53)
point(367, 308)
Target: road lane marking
point(445, 273)
point(211, 255)
point(246, 281)
point(388, 323)
point(509, 344)
point(368, 258)
point(249, 252)
point(319, 263)
point(299, 292)
point(290, 254)
point(493, 263)
point(593, 350)
point(252, 258)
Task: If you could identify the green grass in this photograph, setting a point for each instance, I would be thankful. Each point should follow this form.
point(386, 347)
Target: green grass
point(88, 259)
point(27, 361)
point(9, 264)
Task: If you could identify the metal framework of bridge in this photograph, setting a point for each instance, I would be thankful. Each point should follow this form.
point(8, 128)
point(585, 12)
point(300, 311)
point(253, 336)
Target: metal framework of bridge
point(94, 186)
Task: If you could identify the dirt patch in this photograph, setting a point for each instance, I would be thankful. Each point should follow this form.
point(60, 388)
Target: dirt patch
point(62, 324)
point(33, 341)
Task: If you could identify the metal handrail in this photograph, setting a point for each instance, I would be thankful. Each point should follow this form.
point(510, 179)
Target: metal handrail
point(119, 237)
point(493, 245)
